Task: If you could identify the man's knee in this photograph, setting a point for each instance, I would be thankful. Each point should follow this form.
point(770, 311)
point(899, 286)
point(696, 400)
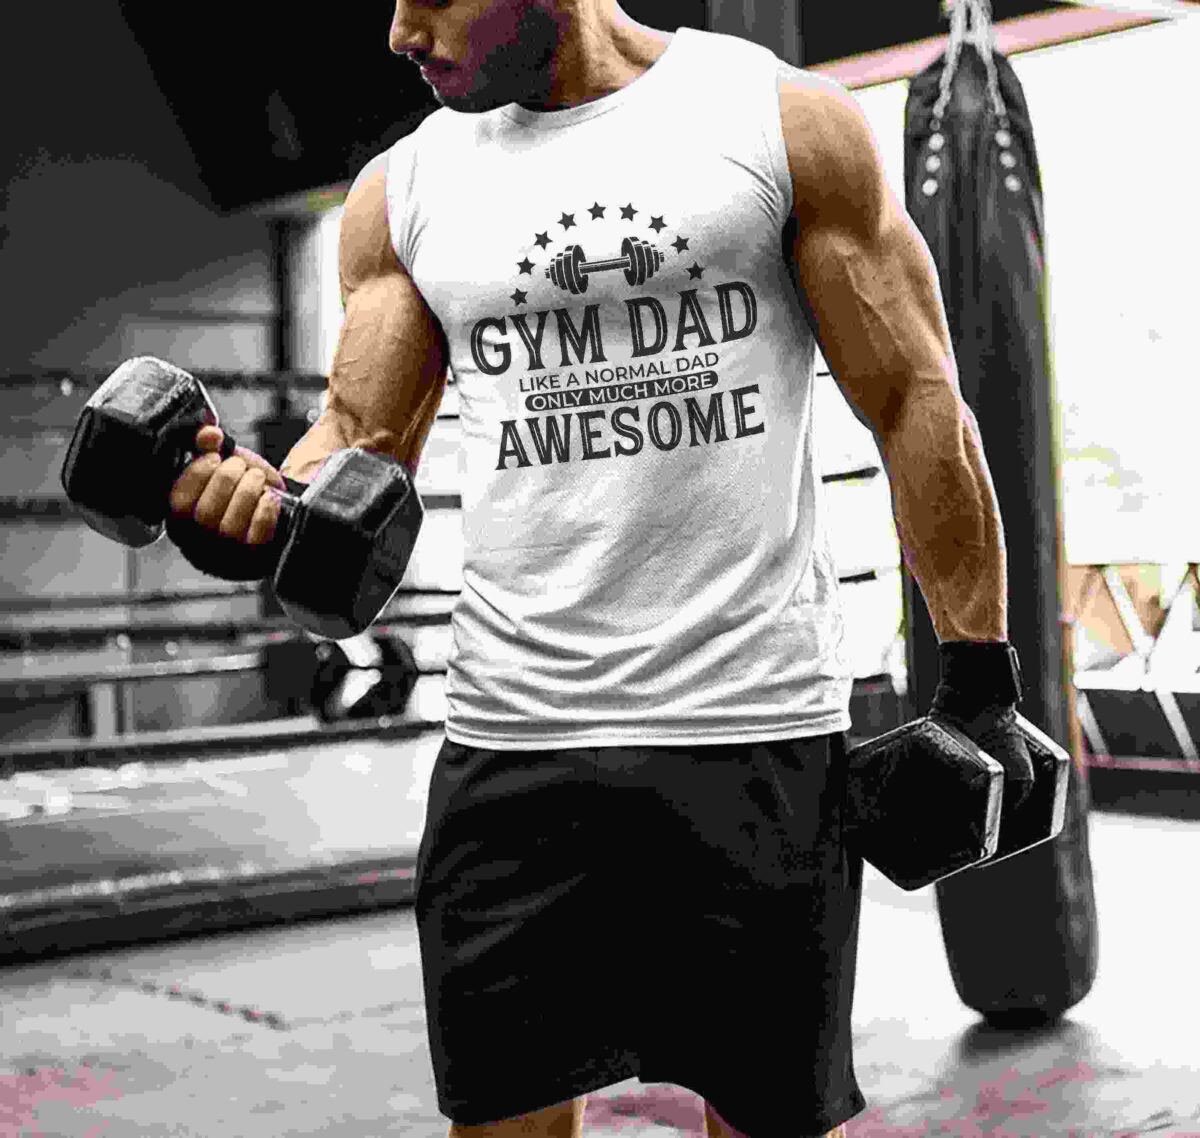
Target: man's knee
point(562, 1121)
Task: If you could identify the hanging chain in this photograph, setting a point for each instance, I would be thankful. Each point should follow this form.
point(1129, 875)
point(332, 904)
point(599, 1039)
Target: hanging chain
point(970, 22)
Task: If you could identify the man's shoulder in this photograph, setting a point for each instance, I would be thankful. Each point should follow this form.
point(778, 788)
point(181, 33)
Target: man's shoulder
point(831, 149)
point(819, 112)
point(808, 88)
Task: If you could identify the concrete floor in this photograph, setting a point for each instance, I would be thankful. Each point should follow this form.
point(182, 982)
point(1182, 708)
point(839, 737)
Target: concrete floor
point(98, 1045)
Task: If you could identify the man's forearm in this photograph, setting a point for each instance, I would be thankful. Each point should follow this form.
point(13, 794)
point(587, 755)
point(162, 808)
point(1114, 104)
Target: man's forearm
point(334, 431)
point(947, 515)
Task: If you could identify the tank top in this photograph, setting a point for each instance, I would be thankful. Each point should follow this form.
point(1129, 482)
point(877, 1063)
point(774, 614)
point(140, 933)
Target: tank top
point(646, 555)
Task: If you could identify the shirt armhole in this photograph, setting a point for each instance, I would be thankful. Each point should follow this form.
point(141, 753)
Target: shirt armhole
point(776, 146)
point(398, 182)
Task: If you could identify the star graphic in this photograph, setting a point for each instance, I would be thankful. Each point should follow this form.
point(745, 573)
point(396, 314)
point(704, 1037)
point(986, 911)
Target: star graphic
point(526, 267)
point(567, 220)
point(543, 239)
point(658, 225)
point(519, 297)
point(695, 272)
point(597, 211)
point(680, 244)
point(628, 211)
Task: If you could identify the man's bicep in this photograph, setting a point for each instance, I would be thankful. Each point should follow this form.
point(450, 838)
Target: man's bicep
point(389, 368)
point(390, 362)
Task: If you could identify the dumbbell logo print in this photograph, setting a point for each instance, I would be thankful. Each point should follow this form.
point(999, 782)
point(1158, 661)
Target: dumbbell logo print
point(570, 270)
point(639, 261)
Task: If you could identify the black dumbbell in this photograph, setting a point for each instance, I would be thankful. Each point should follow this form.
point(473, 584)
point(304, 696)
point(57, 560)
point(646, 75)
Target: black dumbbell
point(346, 537)
point(924, 802)
point(639, 260)
point(364, 677)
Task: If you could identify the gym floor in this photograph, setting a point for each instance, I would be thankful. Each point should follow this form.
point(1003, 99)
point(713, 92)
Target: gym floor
point(99, 1044)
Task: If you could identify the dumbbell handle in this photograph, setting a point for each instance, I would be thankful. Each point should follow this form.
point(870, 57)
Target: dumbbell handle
point(605, 266)
point(588, 267)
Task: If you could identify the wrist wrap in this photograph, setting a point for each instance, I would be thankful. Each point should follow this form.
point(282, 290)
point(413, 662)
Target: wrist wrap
point(977, 674)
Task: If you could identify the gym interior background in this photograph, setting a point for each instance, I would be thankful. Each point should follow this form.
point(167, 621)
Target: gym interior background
point(200, 807)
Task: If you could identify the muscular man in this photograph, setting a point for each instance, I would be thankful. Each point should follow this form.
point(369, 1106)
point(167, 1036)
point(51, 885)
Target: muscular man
point(623, 242)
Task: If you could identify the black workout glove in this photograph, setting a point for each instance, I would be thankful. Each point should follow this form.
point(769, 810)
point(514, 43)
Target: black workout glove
point(221, 557)
point(978, 693)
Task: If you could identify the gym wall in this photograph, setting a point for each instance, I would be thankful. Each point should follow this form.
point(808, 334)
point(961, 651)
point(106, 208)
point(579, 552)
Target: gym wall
point(111, 246)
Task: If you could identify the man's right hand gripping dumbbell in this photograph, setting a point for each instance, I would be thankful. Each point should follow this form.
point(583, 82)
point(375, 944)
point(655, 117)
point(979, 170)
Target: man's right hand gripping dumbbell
point(149, 455)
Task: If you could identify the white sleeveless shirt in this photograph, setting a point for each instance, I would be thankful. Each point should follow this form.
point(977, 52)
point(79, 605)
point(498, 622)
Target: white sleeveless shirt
point(647, 559)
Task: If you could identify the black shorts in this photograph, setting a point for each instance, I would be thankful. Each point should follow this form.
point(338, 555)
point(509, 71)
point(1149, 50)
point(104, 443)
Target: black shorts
point(683, 915)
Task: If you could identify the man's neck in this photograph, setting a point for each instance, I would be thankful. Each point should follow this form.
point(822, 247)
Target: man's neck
point(596, 56)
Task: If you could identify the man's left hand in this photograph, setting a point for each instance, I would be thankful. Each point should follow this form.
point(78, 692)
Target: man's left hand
point(978, 694)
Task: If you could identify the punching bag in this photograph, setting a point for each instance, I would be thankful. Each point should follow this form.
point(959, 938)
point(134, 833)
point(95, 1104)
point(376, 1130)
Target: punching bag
point(1021, 935)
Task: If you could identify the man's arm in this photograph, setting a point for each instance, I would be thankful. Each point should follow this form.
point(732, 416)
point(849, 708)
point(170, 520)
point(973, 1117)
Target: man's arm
point(869, 286)
point(389, 367)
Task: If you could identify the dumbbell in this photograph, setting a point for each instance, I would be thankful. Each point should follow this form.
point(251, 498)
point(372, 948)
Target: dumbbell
point(924, 802)
point(364, 677)
point(639, 260)
point(346, 537)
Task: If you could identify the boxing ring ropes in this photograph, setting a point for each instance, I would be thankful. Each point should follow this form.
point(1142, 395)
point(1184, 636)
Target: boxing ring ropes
point(1162, 664)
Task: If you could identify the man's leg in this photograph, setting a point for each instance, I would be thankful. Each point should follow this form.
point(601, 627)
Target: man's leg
point(716, 1127)
point(562, 1121)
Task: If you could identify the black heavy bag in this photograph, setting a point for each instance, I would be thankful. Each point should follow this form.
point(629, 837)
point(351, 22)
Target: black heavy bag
point(1020, 935)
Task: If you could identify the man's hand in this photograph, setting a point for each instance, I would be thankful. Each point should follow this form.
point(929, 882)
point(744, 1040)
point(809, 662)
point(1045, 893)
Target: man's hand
point(995, 731)
point(978, 692)
point(232, 498)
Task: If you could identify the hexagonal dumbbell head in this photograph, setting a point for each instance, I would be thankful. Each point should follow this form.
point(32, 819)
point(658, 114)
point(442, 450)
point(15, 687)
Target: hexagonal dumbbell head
point(350, 543)
point(130, 444)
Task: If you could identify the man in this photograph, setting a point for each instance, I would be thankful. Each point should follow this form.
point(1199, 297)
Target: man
point(622, 242)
